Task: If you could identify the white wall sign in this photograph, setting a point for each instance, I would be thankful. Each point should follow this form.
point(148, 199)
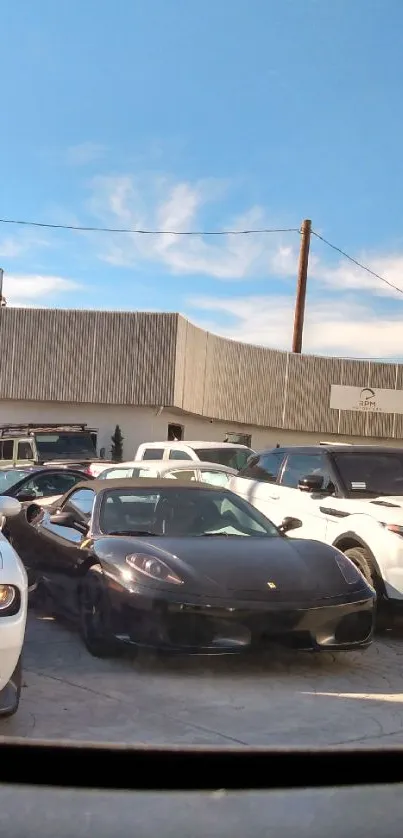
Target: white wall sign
point(366, 399)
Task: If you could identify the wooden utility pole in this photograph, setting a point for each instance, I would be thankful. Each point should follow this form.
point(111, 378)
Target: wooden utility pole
point(301, 287)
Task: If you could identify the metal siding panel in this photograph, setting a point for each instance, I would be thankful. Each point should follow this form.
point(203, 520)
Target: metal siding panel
point(381, 424)
point(153, 383)
point(194, 369)
point(355, 374)
point(243, 383)
point(308, 393)
point(398, 422)
point(180, 361)
point(93, 357)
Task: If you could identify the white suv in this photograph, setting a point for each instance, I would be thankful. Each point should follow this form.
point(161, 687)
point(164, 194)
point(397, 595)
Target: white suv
point(350, 496)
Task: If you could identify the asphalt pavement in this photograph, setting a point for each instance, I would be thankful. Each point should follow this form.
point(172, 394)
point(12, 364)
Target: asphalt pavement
point(281, 698)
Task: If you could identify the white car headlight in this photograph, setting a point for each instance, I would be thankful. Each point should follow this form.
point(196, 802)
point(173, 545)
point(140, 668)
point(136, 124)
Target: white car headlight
point(7, 596)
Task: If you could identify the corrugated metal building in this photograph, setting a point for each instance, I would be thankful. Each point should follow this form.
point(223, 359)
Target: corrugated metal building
point(108, 368)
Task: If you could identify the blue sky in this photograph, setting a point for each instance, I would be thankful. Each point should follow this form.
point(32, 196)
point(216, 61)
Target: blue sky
point(229, 114)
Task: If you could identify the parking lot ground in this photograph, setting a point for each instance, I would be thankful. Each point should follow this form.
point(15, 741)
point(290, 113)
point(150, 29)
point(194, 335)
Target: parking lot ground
point(282, 698)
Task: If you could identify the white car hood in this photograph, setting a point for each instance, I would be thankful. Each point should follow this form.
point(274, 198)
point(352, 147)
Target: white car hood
point(386, 508)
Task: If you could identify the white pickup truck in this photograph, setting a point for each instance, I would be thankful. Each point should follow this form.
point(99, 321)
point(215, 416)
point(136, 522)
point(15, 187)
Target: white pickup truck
point(229, 454)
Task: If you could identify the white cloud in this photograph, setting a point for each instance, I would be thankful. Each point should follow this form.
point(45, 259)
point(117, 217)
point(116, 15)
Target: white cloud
point(346, 276)
point(157, 203)
point(332, 327)
point(84, 153)
point(29, 289)
point(13, 246)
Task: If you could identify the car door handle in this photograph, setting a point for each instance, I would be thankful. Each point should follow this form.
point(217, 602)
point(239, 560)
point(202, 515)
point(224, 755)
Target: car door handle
point(274, 497)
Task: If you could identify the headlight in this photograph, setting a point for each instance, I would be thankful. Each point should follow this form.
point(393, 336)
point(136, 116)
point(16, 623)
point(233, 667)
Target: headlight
point(394, 528)
point(7, 597)
point(348, 569)
point(153, 567)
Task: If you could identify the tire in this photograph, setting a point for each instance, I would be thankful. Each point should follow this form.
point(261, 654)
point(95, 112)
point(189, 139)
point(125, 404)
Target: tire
point(95, 616)
point(11, 694)
point(361, 559)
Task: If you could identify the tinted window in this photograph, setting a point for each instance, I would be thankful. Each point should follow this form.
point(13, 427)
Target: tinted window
point(7, 449)
point(46, 485)
point(301, 465)
point(232, 457)
point(66, 446)
point(177, 454)
point(378, 473)
point(181, 511)
point(24, 451)
point(82, 500)
point(153, 454)
point(264, 467)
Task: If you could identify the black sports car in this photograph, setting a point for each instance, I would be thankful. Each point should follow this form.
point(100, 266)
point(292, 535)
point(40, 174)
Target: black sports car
point(191, 568)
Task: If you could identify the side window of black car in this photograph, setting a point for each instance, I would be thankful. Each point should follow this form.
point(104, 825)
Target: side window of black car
point(264, 467)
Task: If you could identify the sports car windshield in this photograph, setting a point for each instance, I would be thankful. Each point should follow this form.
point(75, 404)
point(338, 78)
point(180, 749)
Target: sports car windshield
point(180, 512)
point(371, 474)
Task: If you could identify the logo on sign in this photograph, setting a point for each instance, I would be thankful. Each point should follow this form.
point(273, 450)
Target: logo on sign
point(367, 400)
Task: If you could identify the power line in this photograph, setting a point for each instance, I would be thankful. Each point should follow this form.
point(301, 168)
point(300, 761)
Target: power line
point(148, 232)
point(201, 233)
point(358, 264)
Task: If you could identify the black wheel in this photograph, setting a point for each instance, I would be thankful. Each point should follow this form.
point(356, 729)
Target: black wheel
point(362, 560)
point(95, 616)
point(11, 693)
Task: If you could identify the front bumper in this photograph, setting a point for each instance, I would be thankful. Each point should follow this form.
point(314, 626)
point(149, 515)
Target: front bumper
point(224, 628)
point(12, 631)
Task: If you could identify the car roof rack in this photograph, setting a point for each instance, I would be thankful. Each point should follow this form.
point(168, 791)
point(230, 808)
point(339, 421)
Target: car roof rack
point(32, 427)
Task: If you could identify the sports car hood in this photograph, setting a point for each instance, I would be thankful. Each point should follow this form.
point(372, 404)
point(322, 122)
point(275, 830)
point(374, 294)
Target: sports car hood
point(239, 566)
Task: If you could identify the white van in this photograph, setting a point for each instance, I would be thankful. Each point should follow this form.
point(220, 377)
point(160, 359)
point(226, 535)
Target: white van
point(229, 454)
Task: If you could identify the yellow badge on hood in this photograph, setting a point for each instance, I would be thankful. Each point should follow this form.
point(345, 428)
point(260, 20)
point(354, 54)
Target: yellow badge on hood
point(271, 585)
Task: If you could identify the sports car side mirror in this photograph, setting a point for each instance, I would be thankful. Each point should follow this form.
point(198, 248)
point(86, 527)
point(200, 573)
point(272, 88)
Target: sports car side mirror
point(290, 524)
point(66, 519)
point(25, 496)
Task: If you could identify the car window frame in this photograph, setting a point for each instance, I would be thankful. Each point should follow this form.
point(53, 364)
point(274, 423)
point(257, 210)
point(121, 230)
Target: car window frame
point(66, 501)
point(3, 443)
point(170, 471)
point(332, 474)
point(258, 456)
point(151, 459)
point(25, 459)
point(183, 455)
point(227, 475)
point(49, 473)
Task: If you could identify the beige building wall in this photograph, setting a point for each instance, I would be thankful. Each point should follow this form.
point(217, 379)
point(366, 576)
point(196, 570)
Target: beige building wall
point(118, 367)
